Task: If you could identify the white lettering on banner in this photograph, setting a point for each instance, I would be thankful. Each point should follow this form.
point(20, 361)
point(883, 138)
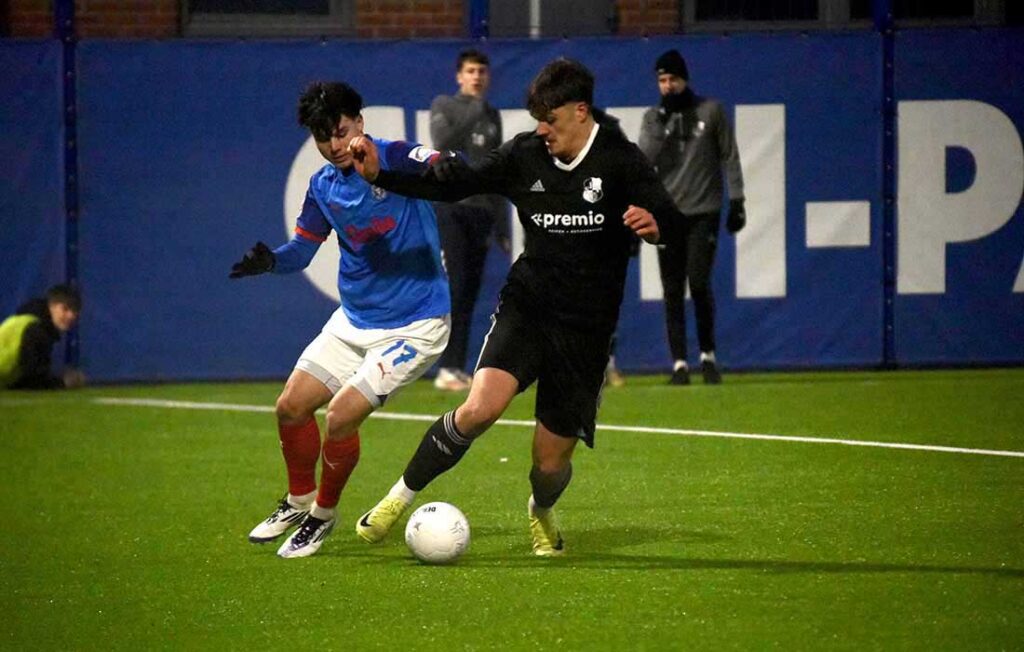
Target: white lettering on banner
point(761, 246)
point(838, 224)
point(631, 118)
point(386, 122)
point(514, 121)
point(929, 218)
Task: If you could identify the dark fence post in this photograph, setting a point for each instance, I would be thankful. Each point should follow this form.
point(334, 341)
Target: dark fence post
point(64, 31)
point(881, 11)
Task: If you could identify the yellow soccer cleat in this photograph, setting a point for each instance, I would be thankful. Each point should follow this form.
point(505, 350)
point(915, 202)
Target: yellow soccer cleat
point(547, 539)
point(376, 523)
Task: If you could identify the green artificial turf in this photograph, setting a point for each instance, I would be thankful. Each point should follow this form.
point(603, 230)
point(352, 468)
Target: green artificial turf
point(125, 526)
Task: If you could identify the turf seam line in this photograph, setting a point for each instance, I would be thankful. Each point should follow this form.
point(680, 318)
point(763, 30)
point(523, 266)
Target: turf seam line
point(395, 416)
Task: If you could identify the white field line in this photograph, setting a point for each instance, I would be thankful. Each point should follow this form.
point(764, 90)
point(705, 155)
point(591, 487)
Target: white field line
point(427, 418)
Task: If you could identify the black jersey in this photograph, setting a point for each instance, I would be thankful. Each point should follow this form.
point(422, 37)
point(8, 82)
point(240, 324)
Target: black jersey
point(573, 267)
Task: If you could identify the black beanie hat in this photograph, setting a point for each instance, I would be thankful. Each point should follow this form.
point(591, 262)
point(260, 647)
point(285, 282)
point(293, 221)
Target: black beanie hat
point(672, 63)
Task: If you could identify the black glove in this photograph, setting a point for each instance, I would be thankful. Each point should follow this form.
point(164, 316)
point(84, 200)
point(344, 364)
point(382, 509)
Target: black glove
point(737, 216)
point(258, 260)
point(449, 167)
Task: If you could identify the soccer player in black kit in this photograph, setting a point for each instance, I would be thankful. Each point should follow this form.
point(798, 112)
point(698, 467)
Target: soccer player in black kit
point(581, 190)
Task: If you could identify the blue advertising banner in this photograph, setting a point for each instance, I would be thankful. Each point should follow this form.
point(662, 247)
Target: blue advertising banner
point(31, 186)
point(960, 227)
point(189, 149)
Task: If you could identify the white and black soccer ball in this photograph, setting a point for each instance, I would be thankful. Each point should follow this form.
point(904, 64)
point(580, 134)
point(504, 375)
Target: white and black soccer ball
point(437, 533)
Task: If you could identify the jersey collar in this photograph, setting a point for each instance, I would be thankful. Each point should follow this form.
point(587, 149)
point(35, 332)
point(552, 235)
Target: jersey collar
point(573, 164)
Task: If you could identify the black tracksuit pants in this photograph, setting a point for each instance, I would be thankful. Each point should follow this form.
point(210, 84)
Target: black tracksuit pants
point(464, 234)
point(689, 254)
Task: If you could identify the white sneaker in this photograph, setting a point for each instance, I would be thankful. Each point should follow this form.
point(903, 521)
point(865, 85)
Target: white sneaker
point(307, 539)
point(284, 517)
point(450, 379)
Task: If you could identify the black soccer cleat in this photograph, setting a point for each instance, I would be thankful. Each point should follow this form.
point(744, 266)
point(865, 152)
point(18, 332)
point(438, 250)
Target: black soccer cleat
point(709, 370)
point(680, 376)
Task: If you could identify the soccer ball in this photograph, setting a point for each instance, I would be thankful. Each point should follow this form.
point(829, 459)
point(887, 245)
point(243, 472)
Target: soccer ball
point(437, 533)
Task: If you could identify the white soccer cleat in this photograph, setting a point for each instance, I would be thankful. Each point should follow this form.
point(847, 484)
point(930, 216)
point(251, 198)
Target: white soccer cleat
point(452, 380)
point(283, 518)
point(547, 539)
point(307, 539)
point(375, 524)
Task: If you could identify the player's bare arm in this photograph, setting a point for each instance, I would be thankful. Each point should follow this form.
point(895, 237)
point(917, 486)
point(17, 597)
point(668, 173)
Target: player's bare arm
point(642, 223)
point(366, 159)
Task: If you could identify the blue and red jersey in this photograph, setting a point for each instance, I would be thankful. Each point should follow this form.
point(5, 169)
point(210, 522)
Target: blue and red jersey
point(390, 272)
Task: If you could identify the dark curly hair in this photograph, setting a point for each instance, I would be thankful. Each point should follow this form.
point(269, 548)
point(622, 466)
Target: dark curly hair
point(559, 82)
point(323, 104)
point(67, 295)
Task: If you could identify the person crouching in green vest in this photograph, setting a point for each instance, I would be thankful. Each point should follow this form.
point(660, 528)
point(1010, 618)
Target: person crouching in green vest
point(28, 336)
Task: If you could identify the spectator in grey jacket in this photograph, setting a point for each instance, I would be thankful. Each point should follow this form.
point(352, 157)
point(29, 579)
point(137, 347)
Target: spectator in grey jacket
point(691, 143)
point(465, 122)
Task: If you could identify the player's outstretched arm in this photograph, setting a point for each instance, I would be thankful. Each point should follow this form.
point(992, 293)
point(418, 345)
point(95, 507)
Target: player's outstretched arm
point(258, 260)
point(436, 184)
point(642, 222)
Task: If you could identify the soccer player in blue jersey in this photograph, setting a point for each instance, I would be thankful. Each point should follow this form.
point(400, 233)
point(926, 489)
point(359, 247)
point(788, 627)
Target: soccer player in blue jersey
point(392, 325)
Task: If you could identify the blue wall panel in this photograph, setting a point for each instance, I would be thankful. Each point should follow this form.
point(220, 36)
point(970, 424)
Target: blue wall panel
point(186, 149)
point(185, 146)
point(31, 184)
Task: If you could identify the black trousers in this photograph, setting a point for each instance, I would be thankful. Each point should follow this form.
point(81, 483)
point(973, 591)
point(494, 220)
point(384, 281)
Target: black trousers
point(464, 233)
point(689, 254)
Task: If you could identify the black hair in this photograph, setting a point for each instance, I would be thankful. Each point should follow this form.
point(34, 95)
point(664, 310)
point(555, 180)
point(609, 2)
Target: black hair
point(473, 56)
point(559, 82)
point(323, 104)
point(66, 295)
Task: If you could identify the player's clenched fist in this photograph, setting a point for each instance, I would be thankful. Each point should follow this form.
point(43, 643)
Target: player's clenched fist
point(365, 157)
point(642, 223)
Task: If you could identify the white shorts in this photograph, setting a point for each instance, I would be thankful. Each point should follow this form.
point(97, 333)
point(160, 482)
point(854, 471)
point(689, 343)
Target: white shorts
point(376, 361)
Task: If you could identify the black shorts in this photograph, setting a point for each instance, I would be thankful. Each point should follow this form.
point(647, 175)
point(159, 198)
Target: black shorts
point(568, 365)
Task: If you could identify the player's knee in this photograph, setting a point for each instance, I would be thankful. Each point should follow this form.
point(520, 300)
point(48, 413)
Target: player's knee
point(476, 416)
point(290, 410)
point(339, 425)
point(550, 465)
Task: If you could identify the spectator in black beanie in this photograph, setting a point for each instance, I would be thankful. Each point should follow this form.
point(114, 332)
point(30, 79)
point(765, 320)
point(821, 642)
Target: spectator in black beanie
point(691, 143)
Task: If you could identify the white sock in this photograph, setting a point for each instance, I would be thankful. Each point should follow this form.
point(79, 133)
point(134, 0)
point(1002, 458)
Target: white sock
point(680, 364)
point(303, 501)
point(402, 492)
point(707, 356)
point(323, 513)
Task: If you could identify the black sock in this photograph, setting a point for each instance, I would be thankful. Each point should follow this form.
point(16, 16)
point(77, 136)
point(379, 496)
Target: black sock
point(547, 487)
point(441, 449)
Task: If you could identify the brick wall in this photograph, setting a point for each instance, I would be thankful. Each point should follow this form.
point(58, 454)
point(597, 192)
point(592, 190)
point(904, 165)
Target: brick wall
point(374, 18)
point(410, 18)
point(648, 17)
point(98, 18)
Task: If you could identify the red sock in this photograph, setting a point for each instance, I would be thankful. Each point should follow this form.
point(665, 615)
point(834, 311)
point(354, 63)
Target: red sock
point(301, 446)
point(340, 457)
